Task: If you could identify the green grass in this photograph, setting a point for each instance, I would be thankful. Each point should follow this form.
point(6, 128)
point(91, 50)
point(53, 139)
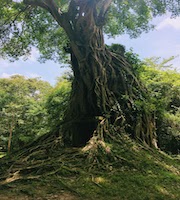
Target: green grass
point(138, 173)
point(153, 177)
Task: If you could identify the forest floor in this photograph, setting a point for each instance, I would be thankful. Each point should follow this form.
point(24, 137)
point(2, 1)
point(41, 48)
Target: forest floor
point(136, 173)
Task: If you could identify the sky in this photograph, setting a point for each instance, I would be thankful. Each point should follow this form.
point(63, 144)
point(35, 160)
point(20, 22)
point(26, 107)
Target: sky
point(162, 42)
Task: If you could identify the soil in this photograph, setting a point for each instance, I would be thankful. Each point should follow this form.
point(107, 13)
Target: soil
point(65, 196)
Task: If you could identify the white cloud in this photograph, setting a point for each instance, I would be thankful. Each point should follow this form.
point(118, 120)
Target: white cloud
point(32, 75)
point(27, 75)
point(169, 22)
point(5, 75)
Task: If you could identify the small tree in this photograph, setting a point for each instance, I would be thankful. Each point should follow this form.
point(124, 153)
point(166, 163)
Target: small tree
point(9, 119)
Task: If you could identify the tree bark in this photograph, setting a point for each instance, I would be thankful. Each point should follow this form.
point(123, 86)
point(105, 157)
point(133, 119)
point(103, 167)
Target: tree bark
point(10, 139)
point(104, 86)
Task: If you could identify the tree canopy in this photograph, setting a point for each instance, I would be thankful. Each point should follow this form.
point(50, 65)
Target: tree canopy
point(22, 112)
point(164, 86)
point(24, 24)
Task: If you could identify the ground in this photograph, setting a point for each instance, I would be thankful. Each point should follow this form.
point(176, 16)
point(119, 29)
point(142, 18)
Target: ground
point(136, 172)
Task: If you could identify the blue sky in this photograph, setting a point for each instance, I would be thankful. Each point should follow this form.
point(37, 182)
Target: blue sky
point(163, 42)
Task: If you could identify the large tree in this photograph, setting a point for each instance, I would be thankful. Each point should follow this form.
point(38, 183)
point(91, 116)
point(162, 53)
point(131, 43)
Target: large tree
point(105, 89)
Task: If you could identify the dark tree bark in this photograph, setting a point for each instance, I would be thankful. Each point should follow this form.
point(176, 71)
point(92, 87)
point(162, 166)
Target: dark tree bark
point(104, 85)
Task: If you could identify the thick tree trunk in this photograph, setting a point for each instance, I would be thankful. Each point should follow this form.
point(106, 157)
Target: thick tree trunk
point(90, 95)
point(104, 86)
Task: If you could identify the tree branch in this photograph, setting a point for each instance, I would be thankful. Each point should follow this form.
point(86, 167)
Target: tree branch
point(50, 6)
point(105, 6)
point(39, 3)
point(12, 20)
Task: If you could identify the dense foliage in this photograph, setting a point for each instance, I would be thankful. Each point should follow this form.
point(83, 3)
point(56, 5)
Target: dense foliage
point(164, 85)
point(23, 116)
point(57, 103)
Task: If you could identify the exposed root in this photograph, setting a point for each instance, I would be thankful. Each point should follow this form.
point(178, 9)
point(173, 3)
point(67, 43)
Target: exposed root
point(45, 159)
point(39, 162)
